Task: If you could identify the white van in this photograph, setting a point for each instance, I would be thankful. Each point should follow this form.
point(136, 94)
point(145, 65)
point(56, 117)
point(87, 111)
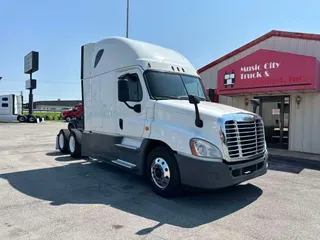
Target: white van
point(146, 111)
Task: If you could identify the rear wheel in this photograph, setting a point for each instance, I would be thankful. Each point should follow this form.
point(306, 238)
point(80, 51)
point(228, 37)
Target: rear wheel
point(163, 172)
point(21, 118)
point(63, 139)
point(74, 145)
point(32, 119)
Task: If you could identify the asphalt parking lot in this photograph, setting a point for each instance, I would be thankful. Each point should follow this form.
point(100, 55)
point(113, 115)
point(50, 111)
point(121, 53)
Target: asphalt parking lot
point(45, 195)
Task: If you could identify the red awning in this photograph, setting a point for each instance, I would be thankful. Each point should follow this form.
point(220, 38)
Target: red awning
point(269, 71)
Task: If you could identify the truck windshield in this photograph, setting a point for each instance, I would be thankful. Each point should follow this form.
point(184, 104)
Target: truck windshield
point(173, 86)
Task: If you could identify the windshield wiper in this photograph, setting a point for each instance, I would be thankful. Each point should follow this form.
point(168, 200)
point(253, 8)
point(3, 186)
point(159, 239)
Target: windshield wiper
point(176, 97)
point(167, 97)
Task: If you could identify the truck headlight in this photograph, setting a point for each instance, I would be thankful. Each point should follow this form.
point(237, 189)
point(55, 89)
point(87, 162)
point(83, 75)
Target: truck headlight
point(201, 148)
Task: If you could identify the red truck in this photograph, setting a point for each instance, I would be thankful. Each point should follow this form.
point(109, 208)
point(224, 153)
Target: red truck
point(75, 112)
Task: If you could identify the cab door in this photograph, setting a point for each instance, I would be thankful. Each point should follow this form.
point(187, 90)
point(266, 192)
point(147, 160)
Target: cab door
point(131, 123)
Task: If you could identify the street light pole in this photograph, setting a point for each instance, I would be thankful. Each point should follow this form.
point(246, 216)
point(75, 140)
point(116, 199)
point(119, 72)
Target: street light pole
point(127, 28)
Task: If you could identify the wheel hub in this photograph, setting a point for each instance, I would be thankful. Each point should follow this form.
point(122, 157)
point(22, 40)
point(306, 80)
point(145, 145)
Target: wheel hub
point(72, 144)
point(61, 141)
point(160, 173)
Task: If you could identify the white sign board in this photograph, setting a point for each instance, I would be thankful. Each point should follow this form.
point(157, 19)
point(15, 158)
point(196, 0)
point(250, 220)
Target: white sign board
point(275, 111)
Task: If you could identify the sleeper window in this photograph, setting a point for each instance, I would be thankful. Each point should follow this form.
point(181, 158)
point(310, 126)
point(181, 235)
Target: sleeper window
point(135, 89)
point(5, 99)
point(5, 105)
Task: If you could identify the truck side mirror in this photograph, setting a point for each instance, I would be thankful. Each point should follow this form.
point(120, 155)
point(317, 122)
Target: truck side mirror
point(123, 93)
point(196, 100)
point(123, 90)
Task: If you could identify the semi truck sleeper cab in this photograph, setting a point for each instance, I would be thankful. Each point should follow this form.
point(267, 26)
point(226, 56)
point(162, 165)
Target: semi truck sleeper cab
point(145, 110)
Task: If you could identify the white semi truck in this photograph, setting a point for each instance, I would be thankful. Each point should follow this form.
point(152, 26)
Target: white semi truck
point(146, 111)
point(10, 107)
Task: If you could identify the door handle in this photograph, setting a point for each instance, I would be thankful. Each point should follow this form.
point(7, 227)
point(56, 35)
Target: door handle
point(121, 123)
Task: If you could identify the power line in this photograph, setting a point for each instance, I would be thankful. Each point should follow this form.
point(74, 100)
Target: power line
point(50, 82)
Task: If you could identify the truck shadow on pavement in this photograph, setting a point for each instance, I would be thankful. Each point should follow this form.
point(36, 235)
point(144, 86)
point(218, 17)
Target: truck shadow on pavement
point(86, 182)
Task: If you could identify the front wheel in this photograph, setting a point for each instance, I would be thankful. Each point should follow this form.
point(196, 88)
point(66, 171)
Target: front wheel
point(68, 119)
point(163, 171)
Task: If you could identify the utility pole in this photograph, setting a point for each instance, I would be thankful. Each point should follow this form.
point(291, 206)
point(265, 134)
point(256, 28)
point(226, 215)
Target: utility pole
point(31, 65)
point(21, 102)
point(127, 28)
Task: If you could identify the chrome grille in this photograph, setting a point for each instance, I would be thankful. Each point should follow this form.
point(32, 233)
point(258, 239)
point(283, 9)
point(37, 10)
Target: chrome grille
point(244, 139)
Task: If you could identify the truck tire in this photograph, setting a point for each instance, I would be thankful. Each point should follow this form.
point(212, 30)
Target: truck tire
point(63, 140)
point(163, 172)
point(71, 126)
point(31, 119)
point(75, 144)
point(21, 118)
point(68, 119)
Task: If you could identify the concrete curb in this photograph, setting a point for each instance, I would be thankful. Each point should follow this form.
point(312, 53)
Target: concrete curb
point(314, 164)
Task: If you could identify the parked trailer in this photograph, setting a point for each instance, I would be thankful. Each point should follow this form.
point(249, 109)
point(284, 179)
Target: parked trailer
point(146, 111)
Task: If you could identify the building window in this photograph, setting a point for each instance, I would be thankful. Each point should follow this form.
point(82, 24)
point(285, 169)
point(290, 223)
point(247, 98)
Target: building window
point(135, 89)
point(5, 105)
point(5, 99)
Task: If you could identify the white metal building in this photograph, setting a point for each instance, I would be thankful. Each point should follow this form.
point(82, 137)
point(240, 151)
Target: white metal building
point(57, 105)
point(282, 71)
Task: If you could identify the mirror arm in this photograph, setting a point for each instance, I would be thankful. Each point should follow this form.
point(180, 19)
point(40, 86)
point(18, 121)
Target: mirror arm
point(128, 105)
point(136, 108)
point(198, 121)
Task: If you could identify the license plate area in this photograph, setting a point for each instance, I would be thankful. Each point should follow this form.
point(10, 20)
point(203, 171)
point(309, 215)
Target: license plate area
point(247, 170)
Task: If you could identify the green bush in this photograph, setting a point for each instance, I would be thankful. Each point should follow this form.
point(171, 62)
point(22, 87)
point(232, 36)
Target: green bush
point(49, 116)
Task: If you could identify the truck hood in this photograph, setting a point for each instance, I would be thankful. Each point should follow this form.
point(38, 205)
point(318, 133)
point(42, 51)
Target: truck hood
point(206, 109)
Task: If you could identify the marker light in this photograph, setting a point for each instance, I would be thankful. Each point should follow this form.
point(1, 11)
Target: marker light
point(149, 65)
point(172, 68)
point(178, 69)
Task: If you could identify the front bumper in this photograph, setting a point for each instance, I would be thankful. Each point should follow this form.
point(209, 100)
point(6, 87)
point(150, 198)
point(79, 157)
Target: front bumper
point(206, 174)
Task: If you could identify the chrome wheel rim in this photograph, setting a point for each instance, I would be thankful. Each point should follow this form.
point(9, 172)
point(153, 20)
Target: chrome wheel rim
point(160, 173)
point(61, 140)
point(72, 144)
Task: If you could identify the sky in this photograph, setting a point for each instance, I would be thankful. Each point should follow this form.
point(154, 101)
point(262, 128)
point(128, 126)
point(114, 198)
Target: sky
point(201, 30)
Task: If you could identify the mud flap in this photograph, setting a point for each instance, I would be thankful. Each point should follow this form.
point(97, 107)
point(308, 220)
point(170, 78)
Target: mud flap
point(57, 143)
